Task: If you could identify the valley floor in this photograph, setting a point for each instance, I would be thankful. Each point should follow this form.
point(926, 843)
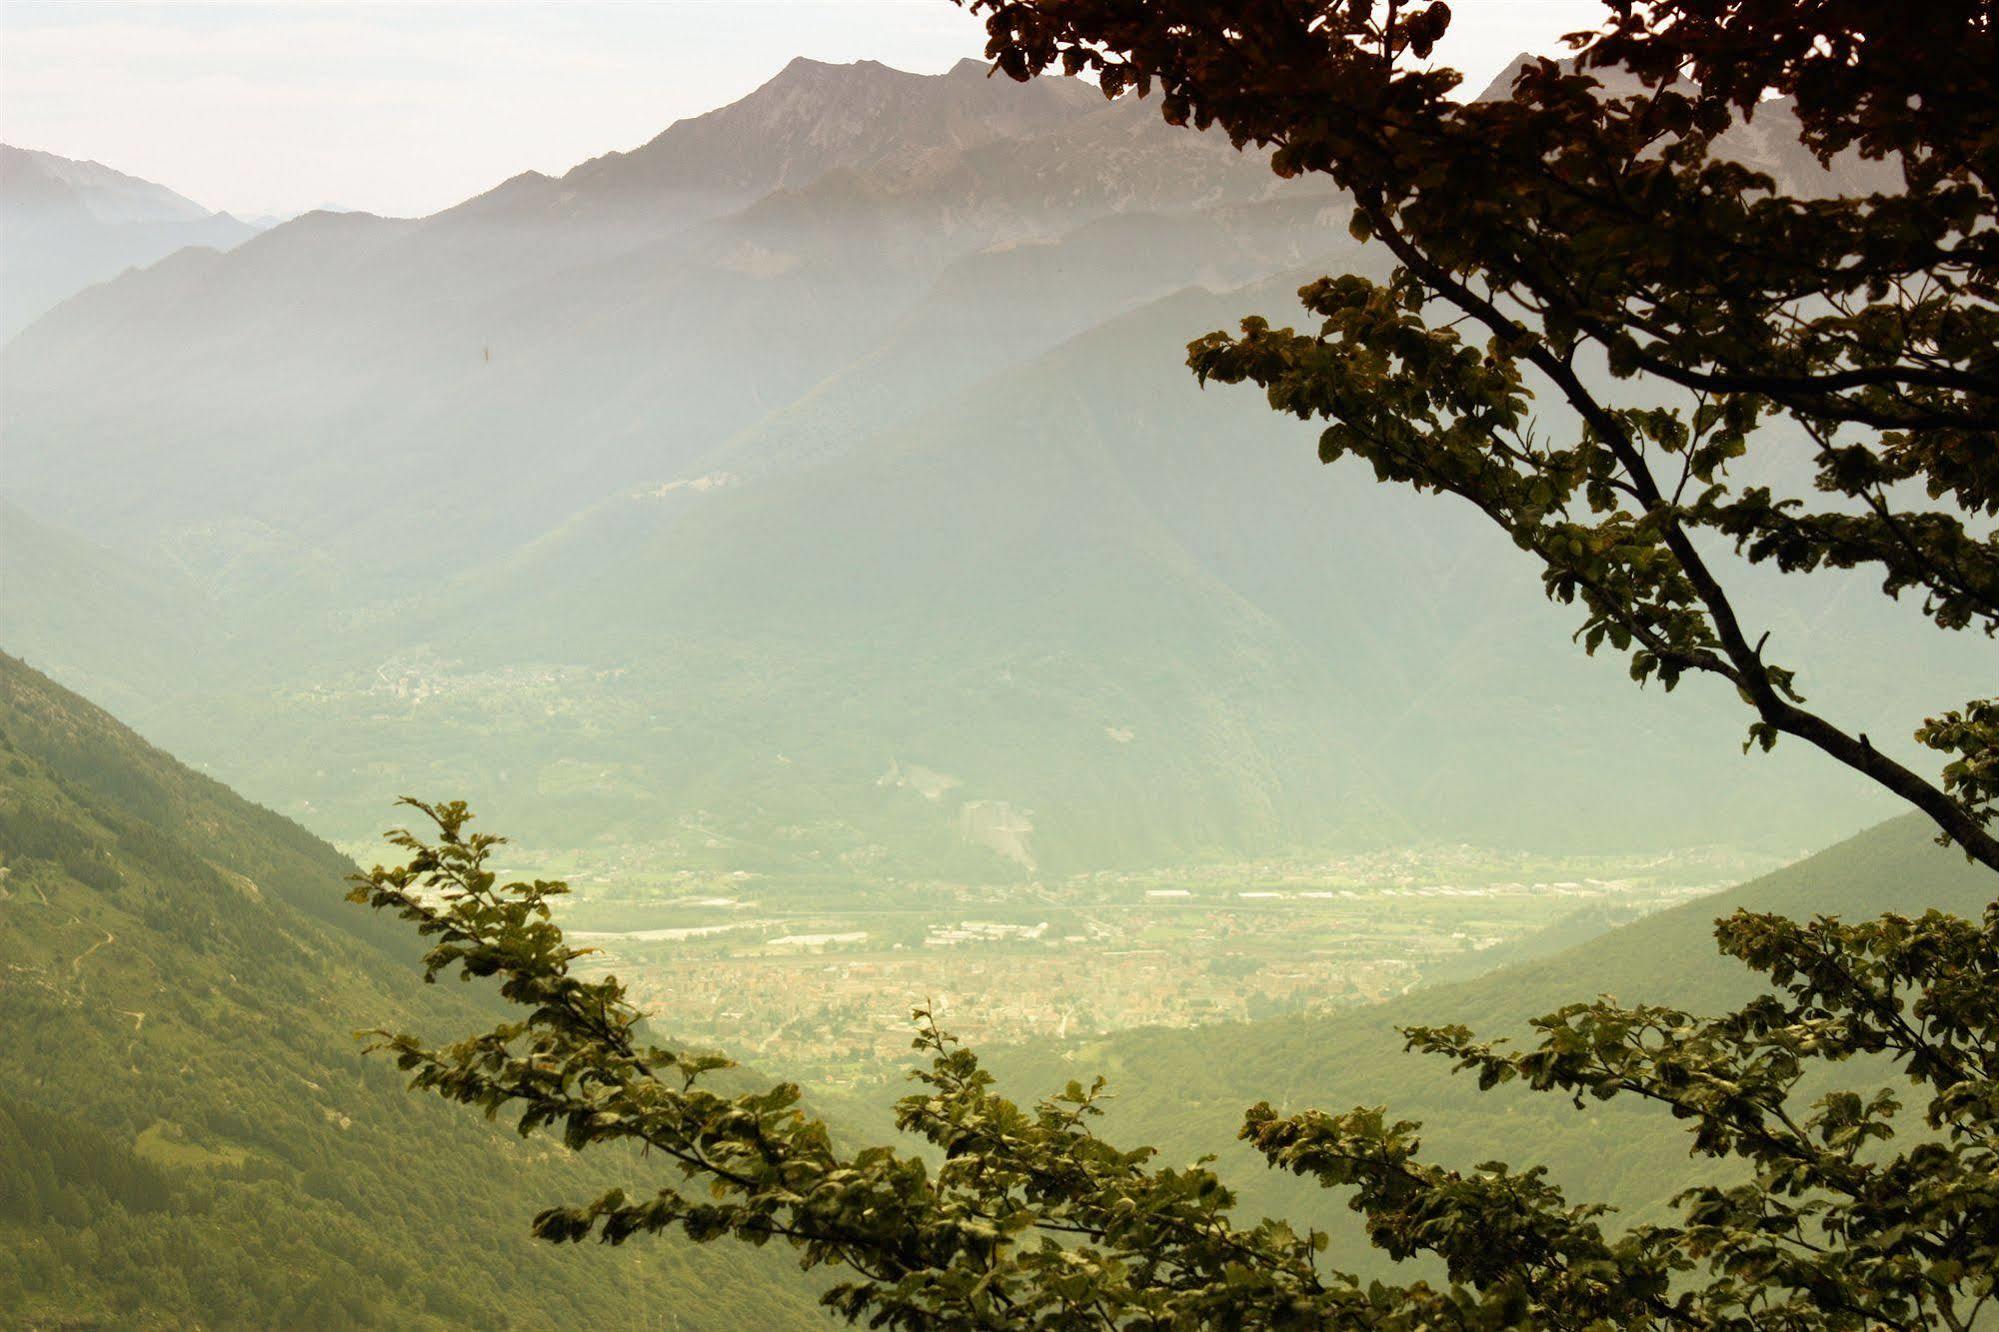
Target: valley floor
point(819, 979)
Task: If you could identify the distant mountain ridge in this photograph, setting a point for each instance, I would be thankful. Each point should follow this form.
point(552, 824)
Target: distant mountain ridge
point(814, 117)
point(44, 181)
point(313, 298)
point(65, 225)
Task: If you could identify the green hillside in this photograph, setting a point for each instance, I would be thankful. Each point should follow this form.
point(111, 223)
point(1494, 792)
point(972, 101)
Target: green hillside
point(189, 1134)
point(1185, 1091)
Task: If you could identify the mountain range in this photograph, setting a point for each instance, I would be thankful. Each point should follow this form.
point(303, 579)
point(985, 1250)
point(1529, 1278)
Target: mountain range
point(693, 495)
point(66, 225)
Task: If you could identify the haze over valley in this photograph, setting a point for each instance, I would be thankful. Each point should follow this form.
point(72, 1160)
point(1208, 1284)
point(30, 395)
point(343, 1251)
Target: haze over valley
point(693, 496)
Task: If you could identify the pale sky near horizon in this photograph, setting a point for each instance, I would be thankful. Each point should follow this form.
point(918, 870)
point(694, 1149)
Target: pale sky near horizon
point(407, 108)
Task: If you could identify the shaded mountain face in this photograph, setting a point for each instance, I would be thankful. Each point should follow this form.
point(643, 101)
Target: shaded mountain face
point(66, 225)
point(679, 499)
point(189, 1133)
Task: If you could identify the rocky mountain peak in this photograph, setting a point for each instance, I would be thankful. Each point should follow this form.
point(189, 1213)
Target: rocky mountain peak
point(813, 117)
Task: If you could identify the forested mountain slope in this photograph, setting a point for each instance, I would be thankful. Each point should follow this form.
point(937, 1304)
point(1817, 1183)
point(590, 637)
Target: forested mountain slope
point(1185, 1091)
point(189, 1133)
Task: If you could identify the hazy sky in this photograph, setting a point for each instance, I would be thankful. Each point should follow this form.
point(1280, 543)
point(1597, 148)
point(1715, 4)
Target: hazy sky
point(406, 108)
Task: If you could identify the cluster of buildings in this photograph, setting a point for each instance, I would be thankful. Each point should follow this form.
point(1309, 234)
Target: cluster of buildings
point(842, 1018)
point(821, 984)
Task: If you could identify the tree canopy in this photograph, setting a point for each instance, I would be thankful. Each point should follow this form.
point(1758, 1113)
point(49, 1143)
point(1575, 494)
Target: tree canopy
point(1800, 379)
